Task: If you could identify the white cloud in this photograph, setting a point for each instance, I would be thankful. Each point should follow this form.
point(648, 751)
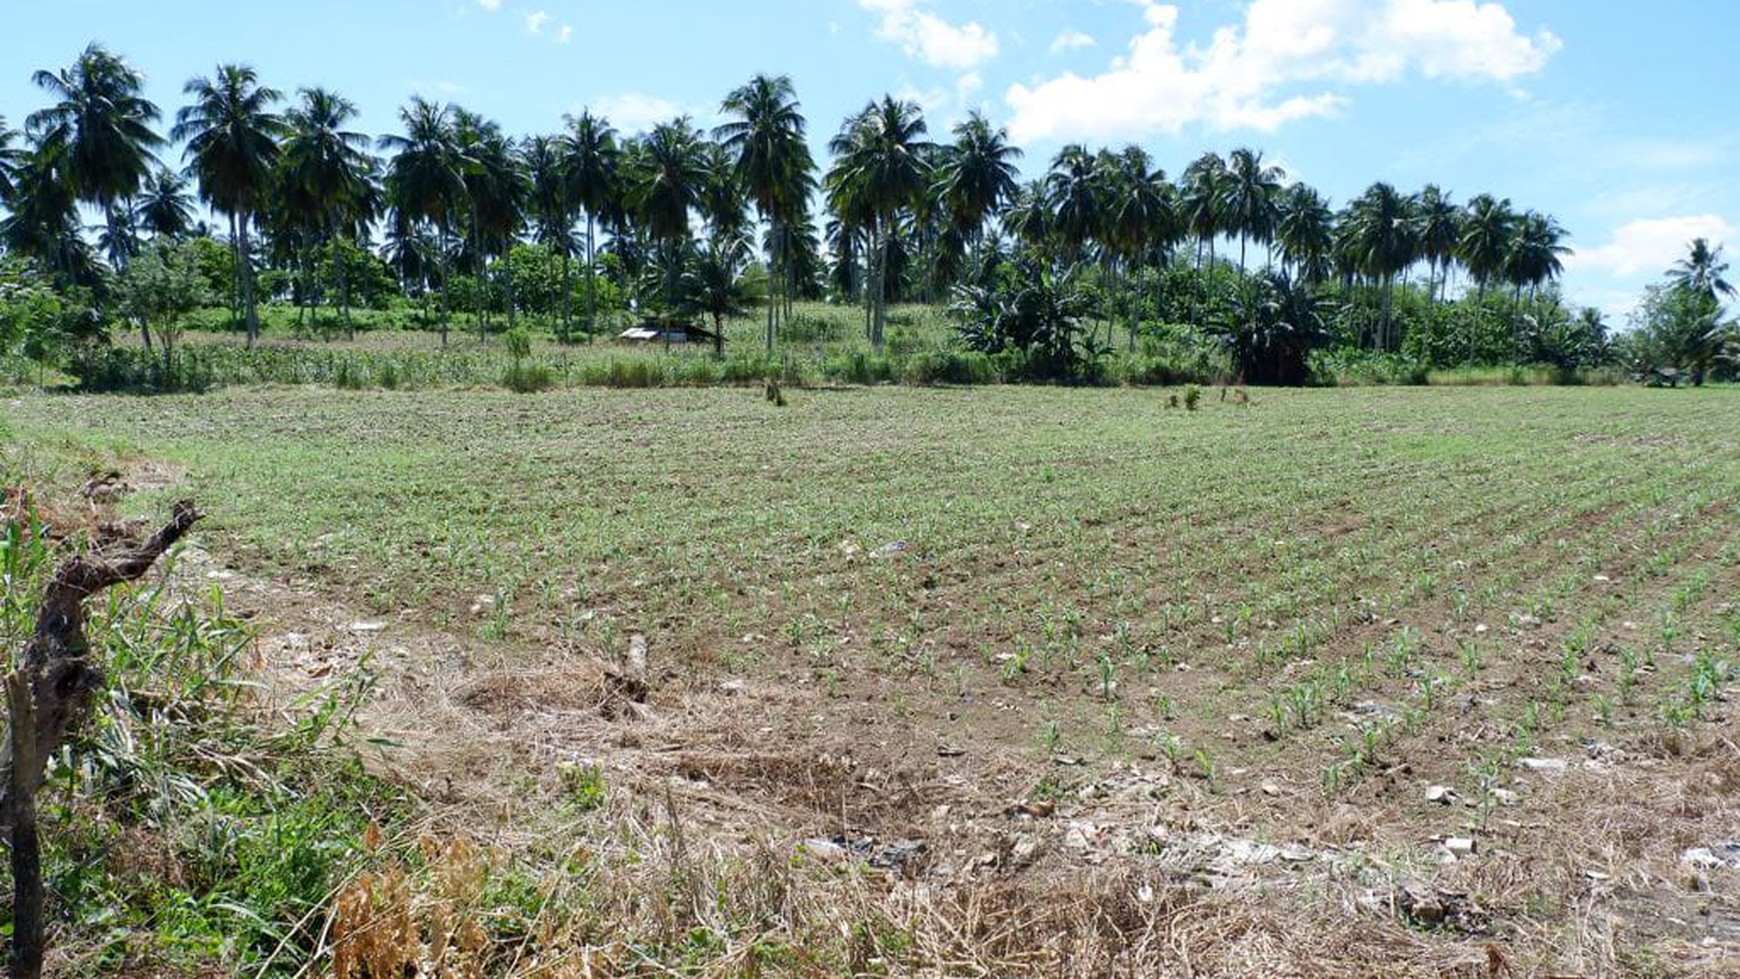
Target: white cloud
point(1250, 75)
point(1071, 41)
point(929, 38)
point(565, 35)
point(536, 20)
point(635, 112)
point(1651, 245)
point(491, 5)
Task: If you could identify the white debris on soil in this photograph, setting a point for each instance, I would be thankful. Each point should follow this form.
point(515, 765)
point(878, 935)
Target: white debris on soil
point(1717, 857)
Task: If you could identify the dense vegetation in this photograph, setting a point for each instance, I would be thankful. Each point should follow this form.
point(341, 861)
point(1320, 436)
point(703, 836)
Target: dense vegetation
point(576, 230)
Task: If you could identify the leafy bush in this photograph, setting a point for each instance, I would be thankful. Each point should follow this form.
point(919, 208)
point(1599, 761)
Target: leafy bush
point(1028, 310)
point(1270, 327)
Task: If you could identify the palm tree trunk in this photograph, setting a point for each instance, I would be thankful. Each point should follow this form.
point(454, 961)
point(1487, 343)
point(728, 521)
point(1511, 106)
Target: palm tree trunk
point(772, 296)
point(567, 288)
point(446, 283)
point(235, 274)
point(1384, 324)
point(344, 295)
point(591, 282)
point(252, 313)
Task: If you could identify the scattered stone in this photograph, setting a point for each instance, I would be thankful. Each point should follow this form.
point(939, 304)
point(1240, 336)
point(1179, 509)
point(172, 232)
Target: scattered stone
point(826, 851)
point(1420, 903)
point(1544, 764)
point(1081, 835)
point(1250, 851)
point(1480, 630)
point(899, 853)
point(1722, 855)
point(1505, 797)
point(367, 627)
point(733, 688)
point(950, 751)
point(892, 548)
point(1525, 619)
point(1271, 789)
point(1459, 846)
point(1371, 708)
point(1025, 850)
point(1038, 809)
point(1443, 795)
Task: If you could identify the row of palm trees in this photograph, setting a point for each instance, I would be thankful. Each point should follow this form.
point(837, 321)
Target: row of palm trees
point(905, 217)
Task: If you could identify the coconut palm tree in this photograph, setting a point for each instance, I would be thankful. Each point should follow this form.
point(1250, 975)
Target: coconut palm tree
point(1439, 229)
point(495, 190)
point(977, 175)
point(765, 135)
point(725, 203)
point(551, 206)
point(667, 181)
point(324, 172)
point(882, 167)
point(1488, 225)
point(1537, 253)
point(1381, 243)
point(11, 158)
point(426, 180)
point(100, 128)
point(232, 145)
point(712, 283)
point(1702, 272)
point(1534, 258)
point(1202, 198)
point(1141, 217)
point(1249, 198)
point(1305, 231)
point(1028, 217)
point(594, 175)
point(1073, 187)
point(43, 222)
point(164, 208)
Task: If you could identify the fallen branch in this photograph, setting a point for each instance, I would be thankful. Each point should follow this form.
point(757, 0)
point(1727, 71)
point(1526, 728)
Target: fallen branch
point(49, 695)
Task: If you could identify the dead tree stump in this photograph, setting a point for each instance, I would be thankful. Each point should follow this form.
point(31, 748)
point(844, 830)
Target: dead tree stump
point(48, 695)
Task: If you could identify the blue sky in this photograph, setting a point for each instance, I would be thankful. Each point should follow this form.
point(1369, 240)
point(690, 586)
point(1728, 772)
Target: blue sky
point(1616, 117)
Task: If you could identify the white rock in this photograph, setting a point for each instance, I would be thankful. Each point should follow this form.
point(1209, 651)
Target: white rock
point(367, 626)
point(1443, 795)
point(1544, 764)
point(1460, 846)
point(1081, 835)
point(825, 850)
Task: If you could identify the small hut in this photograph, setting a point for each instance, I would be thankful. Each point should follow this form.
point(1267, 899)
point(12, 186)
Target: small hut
point(666, 330)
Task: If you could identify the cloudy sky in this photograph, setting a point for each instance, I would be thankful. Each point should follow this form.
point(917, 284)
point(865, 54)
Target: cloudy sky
point(1616, 117)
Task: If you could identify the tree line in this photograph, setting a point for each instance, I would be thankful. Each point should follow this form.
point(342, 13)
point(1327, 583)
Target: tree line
point(690, 222)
